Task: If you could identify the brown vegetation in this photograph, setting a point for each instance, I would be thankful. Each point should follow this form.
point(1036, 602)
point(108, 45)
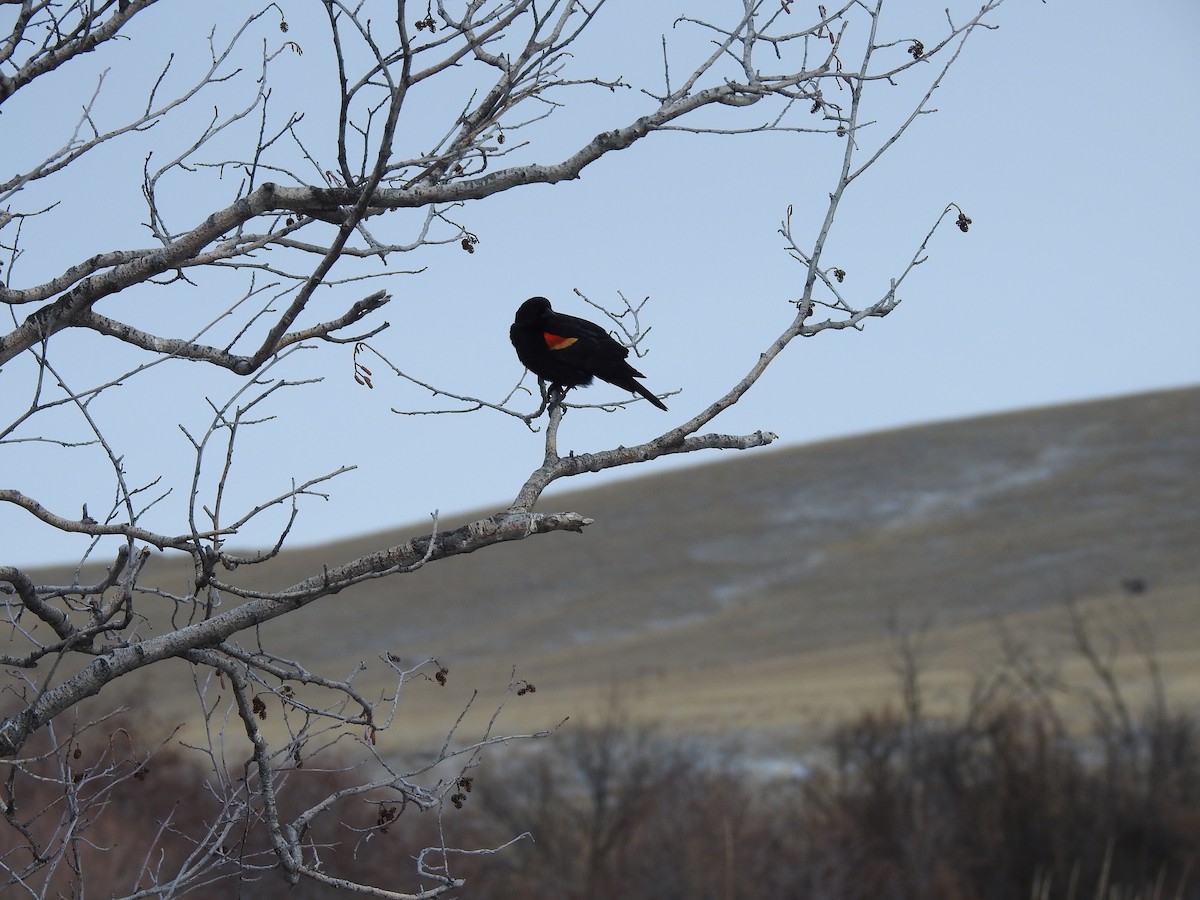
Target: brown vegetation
point(1001, 802)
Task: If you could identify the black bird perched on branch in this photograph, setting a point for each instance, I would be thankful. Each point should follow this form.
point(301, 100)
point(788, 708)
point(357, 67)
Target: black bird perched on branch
point(569, 352)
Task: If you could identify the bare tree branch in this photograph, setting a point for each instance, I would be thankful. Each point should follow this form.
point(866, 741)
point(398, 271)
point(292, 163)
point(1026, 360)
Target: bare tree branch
point(263, 210)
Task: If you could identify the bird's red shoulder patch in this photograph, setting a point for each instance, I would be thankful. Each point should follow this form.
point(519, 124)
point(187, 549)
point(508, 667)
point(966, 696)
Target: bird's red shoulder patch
point(557, 342)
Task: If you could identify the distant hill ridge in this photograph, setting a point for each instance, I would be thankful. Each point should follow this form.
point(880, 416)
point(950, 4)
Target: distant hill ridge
point(756, 591)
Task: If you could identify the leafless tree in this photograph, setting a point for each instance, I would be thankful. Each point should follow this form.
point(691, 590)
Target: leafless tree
point(266, 194)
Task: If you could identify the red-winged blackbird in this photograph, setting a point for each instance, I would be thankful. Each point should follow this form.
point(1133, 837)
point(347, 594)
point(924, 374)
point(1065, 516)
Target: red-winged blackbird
point(569, 352)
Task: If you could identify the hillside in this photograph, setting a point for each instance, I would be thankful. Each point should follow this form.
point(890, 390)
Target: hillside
point(755, 592)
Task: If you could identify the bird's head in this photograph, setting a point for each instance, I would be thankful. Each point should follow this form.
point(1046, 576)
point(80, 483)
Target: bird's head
point(533, 311)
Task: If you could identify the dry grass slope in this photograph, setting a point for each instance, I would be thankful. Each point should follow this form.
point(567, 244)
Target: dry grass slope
point(756, 592)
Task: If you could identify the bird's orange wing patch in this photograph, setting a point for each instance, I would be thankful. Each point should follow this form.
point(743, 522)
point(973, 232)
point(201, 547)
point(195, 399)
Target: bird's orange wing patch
point(557, 342)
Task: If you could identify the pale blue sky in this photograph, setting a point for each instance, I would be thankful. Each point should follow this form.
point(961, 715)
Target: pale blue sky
point(1069, 136)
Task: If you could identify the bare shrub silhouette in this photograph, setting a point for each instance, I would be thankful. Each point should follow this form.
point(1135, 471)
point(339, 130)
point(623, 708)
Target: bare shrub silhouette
point(1001, 802)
